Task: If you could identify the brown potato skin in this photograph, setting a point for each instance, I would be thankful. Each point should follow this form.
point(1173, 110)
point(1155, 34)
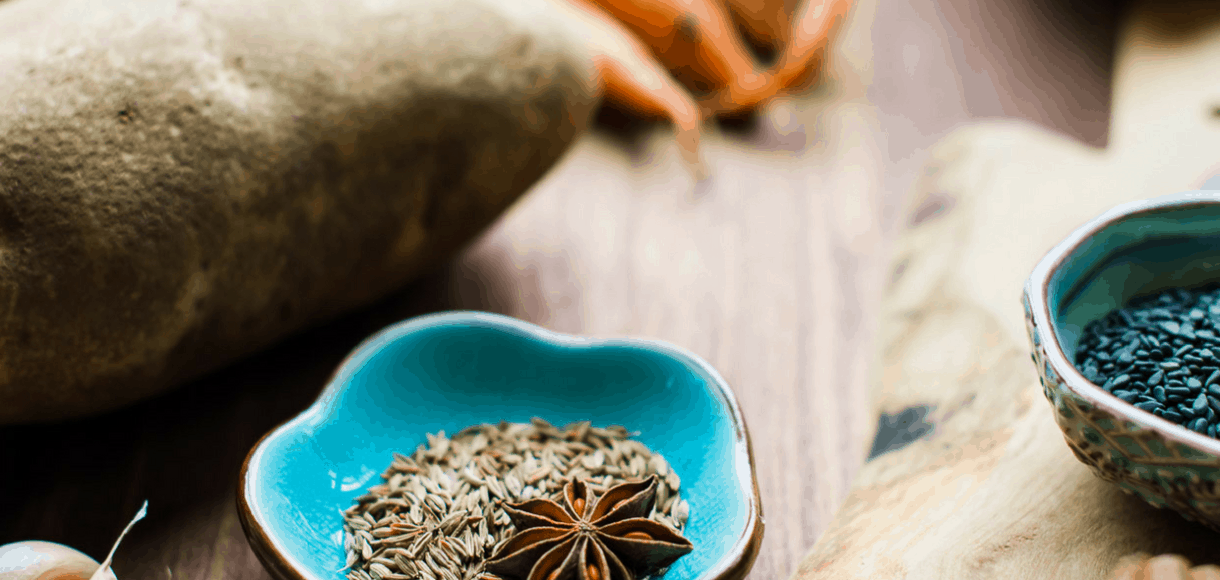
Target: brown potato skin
point(183, 182)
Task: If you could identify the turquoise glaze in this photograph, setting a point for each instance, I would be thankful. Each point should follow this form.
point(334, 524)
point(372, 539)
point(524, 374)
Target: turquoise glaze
point(1134, 250)
point(452, 370)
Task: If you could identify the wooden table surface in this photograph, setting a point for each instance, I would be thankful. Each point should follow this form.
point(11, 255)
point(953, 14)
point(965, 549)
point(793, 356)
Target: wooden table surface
point(993, 491)
point(770, 270)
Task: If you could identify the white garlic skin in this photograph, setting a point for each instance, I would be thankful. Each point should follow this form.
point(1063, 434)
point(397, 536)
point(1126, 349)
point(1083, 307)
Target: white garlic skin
point(46, 561)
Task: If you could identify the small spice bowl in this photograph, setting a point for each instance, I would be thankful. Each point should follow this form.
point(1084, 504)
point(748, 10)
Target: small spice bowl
point(1133, 251)
point(453, 370)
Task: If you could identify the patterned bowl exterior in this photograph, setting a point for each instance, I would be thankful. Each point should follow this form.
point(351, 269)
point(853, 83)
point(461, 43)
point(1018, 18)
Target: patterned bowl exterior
point(1146, 456)
point(1136, 457)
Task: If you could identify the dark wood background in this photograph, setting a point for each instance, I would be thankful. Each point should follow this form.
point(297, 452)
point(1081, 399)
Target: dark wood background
point(770, 270)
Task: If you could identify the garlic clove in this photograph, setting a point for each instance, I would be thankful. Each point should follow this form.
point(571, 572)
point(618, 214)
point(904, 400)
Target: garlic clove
point(50, 561)
point(45, 561)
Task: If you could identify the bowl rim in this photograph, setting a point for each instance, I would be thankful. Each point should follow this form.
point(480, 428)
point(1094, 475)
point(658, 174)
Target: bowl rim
point(280, 563)
point(1037, 290)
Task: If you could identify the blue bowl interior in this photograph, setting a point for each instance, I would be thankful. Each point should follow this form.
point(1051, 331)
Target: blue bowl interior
point(1136, 256)
point(450, 372)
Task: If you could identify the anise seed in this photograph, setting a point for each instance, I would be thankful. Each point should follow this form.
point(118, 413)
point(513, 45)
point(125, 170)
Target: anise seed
point(579, 504)
point(638, 536)
point(592, 572)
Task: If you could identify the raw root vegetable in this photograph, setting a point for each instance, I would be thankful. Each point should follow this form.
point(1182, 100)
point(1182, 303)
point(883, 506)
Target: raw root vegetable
point(51, 561)
point(184, 183)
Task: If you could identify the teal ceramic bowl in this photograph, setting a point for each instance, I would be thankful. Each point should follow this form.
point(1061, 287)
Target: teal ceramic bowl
point(1131, 251)
point(452, 370)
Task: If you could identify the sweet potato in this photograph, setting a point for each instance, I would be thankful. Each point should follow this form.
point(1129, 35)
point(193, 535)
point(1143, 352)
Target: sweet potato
point(185, 181)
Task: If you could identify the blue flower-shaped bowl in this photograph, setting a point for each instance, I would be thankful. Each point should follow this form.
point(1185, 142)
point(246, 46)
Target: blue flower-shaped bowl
point(452, 370)
point(1133, 250)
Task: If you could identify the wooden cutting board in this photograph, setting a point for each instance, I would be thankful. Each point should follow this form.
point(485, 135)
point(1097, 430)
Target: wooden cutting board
point(991, 490)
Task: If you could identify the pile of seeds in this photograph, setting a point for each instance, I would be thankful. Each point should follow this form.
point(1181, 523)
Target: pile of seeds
point(1162, 355)
point(438, 516)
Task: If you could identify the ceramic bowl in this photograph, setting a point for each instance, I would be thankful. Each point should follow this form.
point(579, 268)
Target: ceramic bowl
point(452, 370)
point(1133, 250)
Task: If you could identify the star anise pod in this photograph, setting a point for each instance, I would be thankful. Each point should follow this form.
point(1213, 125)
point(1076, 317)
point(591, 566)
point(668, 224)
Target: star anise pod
point(607, 538)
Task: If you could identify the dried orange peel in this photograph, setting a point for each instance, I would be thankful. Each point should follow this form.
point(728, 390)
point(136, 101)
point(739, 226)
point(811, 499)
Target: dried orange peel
point(812, 31)
point(698, 41)
point(641, 46)
point(693, 36)
point(630, 75)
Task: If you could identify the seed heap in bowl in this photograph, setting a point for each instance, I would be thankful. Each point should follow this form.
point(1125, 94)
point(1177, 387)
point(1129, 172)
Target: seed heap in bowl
point(1161, 354)
point(439, 515)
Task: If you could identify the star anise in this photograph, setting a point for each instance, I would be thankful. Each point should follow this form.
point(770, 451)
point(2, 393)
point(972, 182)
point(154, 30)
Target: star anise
point(607, 538)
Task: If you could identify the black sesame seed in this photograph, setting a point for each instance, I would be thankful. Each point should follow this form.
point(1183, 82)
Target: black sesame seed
point(1126, 316)
point(1155, 353)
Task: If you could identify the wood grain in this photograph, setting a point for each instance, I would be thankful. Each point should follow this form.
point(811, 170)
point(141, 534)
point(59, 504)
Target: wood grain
point(994, 492)
point(771, 271)
point(764, 271)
